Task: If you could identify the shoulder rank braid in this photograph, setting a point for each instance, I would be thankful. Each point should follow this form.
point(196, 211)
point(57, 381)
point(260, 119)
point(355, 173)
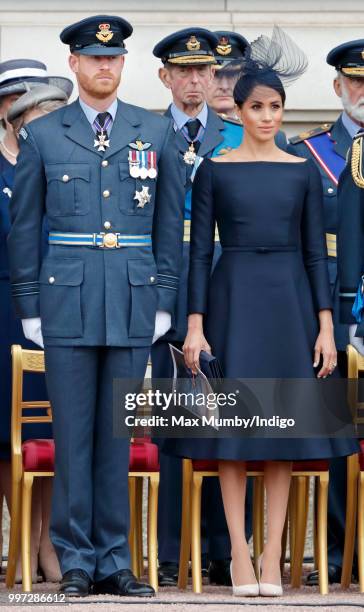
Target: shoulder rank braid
point(356, 161)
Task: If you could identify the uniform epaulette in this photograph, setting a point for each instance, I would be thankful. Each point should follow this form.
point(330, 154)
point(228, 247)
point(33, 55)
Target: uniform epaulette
point(229, 119)
point(322, 129)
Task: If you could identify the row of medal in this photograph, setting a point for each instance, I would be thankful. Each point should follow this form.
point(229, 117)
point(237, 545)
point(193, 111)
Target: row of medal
point(143, 164)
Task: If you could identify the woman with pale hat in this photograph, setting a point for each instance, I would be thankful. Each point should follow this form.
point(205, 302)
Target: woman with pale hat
point(26, 92)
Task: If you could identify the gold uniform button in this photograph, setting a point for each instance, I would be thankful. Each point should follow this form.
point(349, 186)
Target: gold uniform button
point(107, 225)
point(152, 279)
point(65, 178)
point(104, 163)
point(106, 193)
point(51, 280)
point(330, 190)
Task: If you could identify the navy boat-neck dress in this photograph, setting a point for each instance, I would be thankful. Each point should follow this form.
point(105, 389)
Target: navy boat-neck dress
point(261, 303)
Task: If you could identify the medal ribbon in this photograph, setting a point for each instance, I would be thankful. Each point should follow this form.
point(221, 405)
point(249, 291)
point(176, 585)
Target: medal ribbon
point(104, 128)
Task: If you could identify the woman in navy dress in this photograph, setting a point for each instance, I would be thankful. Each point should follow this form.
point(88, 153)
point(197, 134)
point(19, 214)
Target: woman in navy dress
point(266, 310)
point(21, 109)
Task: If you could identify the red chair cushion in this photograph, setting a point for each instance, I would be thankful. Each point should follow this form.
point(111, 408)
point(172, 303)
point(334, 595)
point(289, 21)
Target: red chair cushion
point(210, 465)
point(361, 455)
point(143, 457)
point(38, 455)
point(313, 465)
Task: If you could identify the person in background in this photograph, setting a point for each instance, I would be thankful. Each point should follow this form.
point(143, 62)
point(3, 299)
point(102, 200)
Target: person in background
point(188, 72)
point(327, 146)
point(229, 54)
point(43, 94)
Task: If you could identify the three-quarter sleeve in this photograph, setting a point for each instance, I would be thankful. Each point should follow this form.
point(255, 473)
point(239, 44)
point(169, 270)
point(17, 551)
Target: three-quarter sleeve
point(202, 238)
point(313, 241)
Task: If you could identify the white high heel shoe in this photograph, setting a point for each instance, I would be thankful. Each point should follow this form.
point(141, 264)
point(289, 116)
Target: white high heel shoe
point(266, 589)
point(244, 590)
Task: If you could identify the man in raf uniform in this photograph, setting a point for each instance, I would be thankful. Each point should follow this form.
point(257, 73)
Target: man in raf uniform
point(229, 54)
point(188, 71)
point(328, 147)
point(107, 176)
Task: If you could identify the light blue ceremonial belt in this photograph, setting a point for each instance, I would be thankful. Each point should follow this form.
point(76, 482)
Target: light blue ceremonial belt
point(106, 240)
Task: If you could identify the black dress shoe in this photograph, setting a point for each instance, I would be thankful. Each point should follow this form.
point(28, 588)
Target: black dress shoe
point(123, 583)
point(168, 573)
point(219, 572)
point(334, 573)
point(75, 583)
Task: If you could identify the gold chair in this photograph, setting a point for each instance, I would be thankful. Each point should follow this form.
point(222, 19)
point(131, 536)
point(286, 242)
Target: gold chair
point(23, 474)
point(144, 464)
point(298, 511)
point(193, 474)
point(40, 453)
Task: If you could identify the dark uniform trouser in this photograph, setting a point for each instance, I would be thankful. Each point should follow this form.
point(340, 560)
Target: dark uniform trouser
point(214, 526)
point(336, 514)
point(90, 506)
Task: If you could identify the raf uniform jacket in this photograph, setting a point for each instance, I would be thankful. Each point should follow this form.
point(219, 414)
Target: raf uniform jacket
point(351, 233)
point(338, 143)
point(91, 296)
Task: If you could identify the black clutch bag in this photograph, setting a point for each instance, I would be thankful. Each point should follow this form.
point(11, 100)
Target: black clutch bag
point(210, 366)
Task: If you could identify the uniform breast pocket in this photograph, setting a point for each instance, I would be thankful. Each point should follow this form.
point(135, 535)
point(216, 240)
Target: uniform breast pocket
point(136, 195)
point(60, 283)
point(68, 189)
point(142, 275)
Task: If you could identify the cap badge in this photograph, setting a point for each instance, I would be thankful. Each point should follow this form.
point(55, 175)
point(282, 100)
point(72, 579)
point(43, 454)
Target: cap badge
point(193, 44)
point(105, 33)
point(362, 54)
point(223, 48)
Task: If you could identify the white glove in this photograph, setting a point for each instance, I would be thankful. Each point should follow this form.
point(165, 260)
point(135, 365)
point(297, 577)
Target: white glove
point(356, 341)
point(32, 330)
point(163, 323)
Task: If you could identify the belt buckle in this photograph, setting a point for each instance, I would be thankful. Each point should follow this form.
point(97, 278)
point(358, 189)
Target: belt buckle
point(110, 240)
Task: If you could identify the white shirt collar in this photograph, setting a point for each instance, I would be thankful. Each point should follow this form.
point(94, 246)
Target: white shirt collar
point(350, 125)
point(180, 118)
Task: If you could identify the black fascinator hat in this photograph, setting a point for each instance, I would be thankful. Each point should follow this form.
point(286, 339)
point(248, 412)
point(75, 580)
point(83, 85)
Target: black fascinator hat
point(274, 62)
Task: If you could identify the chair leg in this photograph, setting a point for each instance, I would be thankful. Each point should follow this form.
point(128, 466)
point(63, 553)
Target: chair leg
point(284, 544)
point(258, 519)
point(15, 527)
point(152, 530)
point(133, 529)
point(185, 545)
point(139, 524)
point(25, 531)
point(350, 519)
point(300, 529)
point(314, 525)
point(291, 520)
point(322, 532)
point(196, 533)
point(361, 531)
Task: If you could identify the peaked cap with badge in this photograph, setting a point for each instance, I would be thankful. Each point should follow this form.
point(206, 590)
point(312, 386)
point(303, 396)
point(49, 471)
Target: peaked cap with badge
point(231, 48)
point(348, 58)
point(97, 35)
point(187, 47)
